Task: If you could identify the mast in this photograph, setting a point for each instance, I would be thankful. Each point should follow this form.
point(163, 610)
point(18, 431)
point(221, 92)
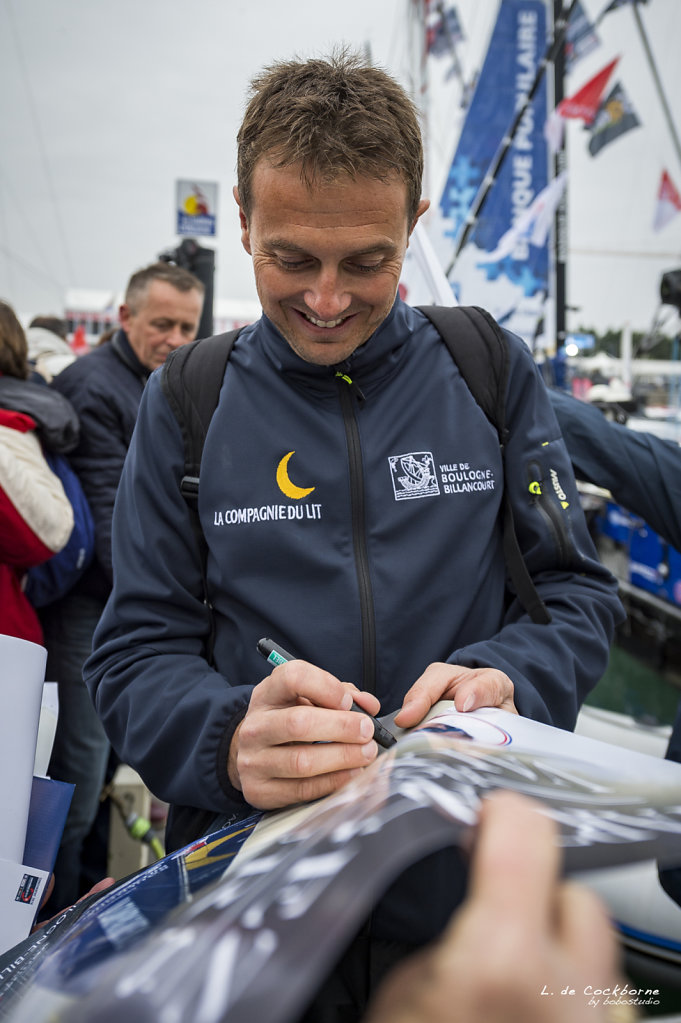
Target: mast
point(560, 20)
point(418, 9)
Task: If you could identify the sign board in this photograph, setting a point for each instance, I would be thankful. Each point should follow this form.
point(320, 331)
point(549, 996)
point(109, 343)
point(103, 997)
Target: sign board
point(196, 203)
point(575, 343)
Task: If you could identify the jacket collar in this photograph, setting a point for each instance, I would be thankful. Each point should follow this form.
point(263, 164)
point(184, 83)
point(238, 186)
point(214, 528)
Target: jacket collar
point(123, 349)
point(368, 365)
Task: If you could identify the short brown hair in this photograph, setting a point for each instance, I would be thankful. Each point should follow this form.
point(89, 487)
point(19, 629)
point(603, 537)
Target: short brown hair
point(333, 116)
point(13, 346)
point(52, 323)
point(176, 276)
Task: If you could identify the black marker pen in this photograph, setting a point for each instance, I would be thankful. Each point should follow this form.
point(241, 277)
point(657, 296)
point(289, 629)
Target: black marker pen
point(276, 655)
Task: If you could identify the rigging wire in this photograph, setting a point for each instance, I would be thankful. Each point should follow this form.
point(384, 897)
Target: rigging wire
point(19, 208)
point(662, 317)
point(658, 82)
point(3, 223)
point(41, 143)
point(31, 268)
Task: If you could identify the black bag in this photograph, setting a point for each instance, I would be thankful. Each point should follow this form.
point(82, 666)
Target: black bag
point(54, 578)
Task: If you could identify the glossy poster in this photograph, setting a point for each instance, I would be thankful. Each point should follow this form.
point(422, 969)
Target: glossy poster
point(256, 943)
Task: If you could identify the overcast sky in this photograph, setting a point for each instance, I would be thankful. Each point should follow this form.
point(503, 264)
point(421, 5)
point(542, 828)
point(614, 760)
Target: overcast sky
point(106, 104)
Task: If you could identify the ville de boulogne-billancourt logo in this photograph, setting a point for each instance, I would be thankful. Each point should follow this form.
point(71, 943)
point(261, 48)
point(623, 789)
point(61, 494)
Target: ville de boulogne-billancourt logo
point(413, 475)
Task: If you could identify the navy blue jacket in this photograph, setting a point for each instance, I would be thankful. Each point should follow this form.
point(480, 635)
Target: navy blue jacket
point(642, 472)
point(386, 558)
point(105, 388)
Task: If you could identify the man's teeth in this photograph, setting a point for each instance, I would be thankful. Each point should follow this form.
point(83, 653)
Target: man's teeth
point(324, 323)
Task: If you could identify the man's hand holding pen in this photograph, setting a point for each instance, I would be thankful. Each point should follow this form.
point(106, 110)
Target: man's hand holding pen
point(299, 739)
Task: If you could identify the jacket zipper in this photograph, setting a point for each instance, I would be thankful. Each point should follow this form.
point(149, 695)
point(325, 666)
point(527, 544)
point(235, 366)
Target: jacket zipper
point(541, 498)
point(349, 394)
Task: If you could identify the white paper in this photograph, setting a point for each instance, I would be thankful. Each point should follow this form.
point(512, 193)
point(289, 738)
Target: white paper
point(494, 727)
point(49, 712)
point(22, 673)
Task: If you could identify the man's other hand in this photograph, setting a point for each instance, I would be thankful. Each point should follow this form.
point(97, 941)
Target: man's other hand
point(470, 688)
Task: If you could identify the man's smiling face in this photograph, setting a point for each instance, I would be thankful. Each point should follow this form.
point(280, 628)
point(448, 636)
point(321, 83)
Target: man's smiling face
point(327, 258)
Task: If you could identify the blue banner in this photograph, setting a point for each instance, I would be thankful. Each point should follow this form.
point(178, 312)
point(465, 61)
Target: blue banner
point(518, 283)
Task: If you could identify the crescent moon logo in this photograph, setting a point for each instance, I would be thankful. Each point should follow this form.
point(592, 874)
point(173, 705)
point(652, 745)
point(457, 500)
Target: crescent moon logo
point(286, 485)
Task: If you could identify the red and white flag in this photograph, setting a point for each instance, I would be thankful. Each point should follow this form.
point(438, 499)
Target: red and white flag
point(582, 106)
point(668, 202)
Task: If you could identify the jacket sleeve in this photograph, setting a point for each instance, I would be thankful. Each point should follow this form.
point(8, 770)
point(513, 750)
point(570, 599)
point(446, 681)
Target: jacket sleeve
point(98, 459)
point(554, 666)
point(36, 517)
point(642, 472)
point(165, 710)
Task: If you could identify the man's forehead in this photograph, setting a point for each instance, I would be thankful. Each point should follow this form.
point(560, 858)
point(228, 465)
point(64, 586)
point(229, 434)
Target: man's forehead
point(159, 290)
point(288, 208)
point(296, 177)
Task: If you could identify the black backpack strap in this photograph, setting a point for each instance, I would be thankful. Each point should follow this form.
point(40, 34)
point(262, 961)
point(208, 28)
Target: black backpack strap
point(191, 380)
point(485, 367)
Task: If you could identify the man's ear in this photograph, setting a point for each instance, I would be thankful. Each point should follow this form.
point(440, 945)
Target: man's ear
point(124, 315)
point(245, 234)
point(422, 207)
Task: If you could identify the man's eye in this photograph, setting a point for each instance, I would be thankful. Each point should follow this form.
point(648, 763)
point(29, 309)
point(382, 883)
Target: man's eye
point(365, 268)
point(292, 264)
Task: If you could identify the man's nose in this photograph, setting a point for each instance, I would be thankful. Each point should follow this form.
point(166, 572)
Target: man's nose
point(175, 337)
point(326, 296)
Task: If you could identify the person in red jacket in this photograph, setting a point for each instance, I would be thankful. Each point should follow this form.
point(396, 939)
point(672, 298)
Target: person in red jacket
point(36, 517)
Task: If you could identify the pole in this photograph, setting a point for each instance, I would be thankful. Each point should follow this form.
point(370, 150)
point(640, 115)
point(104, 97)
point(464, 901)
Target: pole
point(204, 268)
point(417, 12)
point(559, 165)
point(201, 262)
point(424, 97)
point(552, 50)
